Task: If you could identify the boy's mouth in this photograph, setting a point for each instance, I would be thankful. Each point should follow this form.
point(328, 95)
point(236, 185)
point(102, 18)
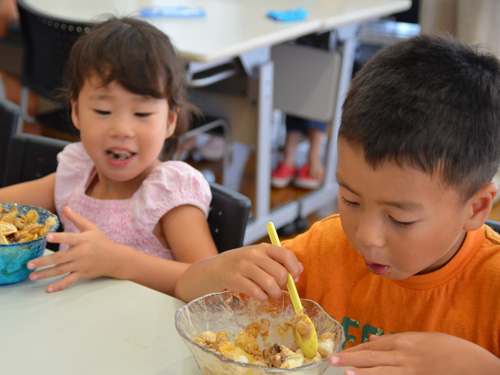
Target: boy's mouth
point(119, 154)
point(377, 269)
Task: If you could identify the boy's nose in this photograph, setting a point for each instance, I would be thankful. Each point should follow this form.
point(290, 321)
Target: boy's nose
point(370, 233)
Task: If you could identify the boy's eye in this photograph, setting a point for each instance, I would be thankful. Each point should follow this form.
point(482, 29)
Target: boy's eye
point(401, 224)
point(142, 114)
point(349, 203)
point(101, 112)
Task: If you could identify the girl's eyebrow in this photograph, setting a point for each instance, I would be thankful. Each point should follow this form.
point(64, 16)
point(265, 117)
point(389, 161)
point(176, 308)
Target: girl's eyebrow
point(99, 96)
point(402, 205)
point(138, 98)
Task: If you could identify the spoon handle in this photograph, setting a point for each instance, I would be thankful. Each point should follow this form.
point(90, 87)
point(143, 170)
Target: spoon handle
point(290, 284)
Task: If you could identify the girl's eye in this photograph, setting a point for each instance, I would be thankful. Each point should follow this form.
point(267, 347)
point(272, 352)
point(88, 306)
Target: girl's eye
point(101, 112)
point(401, 224)
point(142, 114)
point(348, 203)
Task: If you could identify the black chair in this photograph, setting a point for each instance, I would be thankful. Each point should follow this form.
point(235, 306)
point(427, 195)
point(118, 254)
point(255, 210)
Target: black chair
point(46, 45)
point(228, 217)
point(495, 225)
point(33, 156)
point(9, 114)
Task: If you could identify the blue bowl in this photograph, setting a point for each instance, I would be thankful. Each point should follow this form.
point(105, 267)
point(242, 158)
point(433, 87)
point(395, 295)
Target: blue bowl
point(14, 257)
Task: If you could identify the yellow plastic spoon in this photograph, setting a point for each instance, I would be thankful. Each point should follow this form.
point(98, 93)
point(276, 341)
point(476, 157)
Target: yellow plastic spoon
point(305, 333)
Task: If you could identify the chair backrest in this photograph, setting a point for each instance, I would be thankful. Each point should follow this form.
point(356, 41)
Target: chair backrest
point(228, 217)
point(9, 114)
point(33, 156)
point(46, 45)
point(495, 225)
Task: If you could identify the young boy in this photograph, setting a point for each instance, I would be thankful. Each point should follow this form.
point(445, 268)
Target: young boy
point(408, 257)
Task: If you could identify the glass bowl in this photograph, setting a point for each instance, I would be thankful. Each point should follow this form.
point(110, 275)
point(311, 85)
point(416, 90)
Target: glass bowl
point(14, 257)
point(232, 312)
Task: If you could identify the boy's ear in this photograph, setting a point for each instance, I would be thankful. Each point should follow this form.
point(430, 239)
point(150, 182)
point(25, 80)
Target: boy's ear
point(74, 113)
point(480, 206)
point(172, 122)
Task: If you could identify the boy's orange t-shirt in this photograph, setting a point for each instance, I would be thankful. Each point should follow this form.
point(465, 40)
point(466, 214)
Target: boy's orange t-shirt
point(461, 299)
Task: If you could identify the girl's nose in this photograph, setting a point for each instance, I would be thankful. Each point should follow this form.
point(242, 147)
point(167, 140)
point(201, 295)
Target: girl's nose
point(370, 232)
point(120, 127)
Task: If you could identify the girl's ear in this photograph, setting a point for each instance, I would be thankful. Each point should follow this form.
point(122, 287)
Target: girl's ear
point(480, 206)
point(74, 113)
point(172, 122)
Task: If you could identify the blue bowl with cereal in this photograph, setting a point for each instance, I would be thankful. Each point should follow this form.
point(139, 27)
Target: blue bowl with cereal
point(23, 231)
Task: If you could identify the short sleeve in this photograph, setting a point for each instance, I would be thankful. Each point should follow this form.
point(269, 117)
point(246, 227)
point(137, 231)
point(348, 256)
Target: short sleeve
point(169, 185)
point(73, 169)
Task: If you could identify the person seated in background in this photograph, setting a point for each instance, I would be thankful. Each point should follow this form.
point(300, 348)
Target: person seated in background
point(126, 214)
point(310, 175)
point(407, 266)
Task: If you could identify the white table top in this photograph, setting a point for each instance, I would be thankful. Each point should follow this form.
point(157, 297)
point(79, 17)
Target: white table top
point(230, 27)
point(100, 326)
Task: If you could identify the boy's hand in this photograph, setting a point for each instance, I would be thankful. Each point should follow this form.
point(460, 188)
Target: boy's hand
point(88, 255)
point(259, 271)
point(417, 353)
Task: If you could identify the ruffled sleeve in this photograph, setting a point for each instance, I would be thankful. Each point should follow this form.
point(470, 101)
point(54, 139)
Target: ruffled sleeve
point(169, 185)
point(73, 169)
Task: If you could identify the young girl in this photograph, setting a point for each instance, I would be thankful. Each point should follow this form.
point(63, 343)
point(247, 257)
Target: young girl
point(125, 214)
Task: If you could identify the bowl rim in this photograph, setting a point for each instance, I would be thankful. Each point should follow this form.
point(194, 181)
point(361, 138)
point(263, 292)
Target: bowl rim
point(37, 208)
point(249, 365)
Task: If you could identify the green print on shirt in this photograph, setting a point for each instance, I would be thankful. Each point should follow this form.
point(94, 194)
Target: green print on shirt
point(347, 323)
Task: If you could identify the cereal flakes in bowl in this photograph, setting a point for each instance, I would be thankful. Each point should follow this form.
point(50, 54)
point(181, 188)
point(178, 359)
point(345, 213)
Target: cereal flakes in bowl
point(23, 230)
point(231, 333)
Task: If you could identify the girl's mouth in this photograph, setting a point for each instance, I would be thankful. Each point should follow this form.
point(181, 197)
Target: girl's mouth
point(119, 154)
point(377, 269)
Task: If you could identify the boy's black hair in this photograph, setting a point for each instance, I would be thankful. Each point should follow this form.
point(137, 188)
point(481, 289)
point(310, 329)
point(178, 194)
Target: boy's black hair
point(136, 55)
point(430, 102)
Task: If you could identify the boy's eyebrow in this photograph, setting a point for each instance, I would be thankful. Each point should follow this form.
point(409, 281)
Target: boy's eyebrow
point(403, 205)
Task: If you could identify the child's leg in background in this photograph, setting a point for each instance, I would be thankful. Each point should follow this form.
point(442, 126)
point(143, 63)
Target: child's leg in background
point(316, 168)
point(311, 174)
point(293, 138)
point(285, 171)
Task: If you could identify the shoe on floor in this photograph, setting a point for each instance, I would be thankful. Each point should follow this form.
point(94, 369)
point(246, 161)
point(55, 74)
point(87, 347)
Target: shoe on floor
point(282, 175)
point(213, 150)
point(304, 181)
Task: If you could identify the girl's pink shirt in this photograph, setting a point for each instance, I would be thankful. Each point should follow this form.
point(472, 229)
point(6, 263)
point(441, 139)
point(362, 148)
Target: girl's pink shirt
point(128, 221)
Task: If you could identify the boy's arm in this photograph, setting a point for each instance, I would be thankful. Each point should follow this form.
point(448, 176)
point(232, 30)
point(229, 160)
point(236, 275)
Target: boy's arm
point(428, 353)
point(38, 193)
point(259, 271)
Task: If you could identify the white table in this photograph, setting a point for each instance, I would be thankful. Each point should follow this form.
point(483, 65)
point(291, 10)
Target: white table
point(240, 29)
point(100, 326)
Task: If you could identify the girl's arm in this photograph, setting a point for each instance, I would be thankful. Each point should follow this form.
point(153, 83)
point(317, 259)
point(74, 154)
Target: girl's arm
point(188, 235)
point(92, 254)
point(38, 193)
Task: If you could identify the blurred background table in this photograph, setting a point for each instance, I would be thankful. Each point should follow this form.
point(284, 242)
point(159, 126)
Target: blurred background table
point(239, 30)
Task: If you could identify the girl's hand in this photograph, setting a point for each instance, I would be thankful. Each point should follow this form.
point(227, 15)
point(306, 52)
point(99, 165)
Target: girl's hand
point(259, 271)
point(89, 255)
point(417, 353)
